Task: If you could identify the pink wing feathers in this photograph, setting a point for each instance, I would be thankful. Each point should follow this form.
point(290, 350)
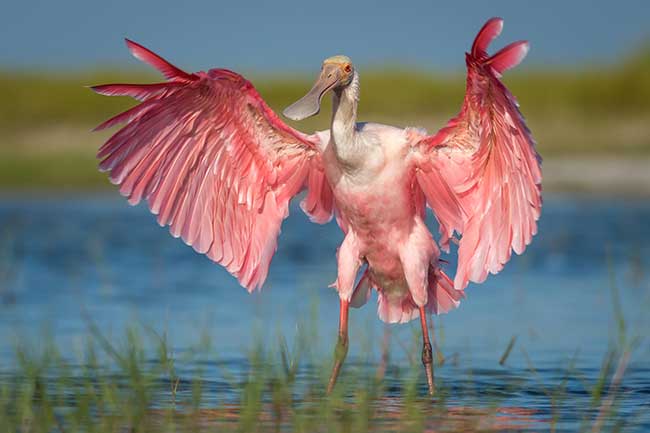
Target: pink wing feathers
point(214, 163)
point(481, 174)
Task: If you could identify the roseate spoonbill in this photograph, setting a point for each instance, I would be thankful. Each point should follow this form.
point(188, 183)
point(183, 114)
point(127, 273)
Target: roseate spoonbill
point(218, 166)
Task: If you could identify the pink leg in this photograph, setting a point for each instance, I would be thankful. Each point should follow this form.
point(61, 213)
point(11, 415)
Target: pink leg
point(341, 345)
point(349, 263)
point(416, 256)
point(427, 355)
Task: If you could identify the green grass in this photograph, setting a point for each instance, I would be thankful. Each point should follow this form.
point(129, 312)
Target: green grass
point(45, 119)
point(137, 383)
point(68, 171)
point(591, 91)
point(114, 387)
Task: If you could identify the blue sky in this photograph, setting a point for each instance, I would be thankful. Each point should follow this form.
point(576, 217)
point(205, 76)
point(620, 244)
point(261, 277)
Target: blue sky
point(296, 35)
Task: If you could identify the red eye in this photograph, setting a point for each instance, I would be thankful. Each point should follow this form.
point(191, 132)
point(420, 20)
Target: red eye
point(348, 68)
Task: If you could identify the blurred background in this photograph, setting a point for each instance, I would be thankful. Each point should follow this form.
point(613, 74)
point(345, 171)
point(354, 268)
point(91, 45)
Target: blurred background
point(584, 88)
point(71, 249)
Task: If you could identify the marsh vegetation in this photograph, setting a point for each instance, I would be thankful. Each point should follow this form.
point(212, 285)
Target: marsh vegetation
point(593, 111)
point(101, 333)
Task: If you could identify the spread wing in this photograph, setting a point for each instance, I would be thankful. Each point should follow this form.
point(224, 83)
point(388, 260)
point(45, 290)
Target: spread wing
point(214, 162)
point(481, 174)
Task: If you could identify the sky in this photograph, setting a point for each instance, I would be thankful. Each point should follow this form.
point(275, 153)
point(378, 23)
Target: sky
point(296, 35)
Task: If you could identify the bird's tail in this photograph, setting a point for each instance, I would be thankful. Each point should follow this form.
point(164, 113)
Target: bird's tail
point(442, 297)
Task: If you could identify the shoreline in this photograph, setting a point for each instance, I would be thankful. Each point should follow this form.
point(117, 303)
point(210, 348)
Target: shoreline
point(599, 177)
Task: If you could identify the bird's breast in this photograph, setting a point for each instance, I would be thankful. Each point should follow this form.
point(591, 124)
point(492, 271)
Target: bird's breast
point(375, 204)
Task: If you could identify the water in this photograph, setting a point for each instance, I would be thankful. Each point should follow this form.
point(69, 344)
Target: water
point(66, 262)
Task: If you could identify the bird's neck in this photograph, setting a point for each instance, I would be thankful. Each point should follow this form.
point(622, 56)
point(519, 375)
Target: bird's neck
point(344, 120)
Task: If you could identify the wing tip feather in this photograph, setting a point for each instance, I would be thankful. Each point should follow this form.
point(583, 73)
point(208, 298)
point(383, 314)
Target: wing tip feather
point(145, 55)
point(506, 58)
point(509, 56)
point(490, 31)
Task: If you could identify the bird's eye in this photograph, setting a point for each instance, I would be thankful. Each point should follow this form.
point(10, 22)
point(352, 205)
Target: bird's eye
point(348, 68)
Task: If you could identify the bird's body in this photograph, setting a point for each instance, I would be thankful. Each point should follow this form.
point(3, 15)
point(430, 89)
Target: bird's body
point(382, 219)
point(218, 166)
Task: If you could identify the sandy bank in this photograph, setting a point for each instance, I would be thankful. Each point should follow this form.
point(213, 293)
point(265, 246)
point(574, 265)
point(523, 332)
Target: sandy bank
point(598, 175)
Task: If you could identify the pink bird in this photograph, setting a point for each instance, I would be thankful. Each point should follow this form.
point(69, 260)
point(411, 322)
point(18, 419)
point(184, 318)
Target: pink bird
point(218, 166)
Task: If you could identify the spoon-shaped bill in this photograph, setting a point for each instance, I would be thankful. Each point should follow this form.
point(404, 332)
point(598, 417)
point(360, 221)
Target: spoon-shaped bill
point(309, 105)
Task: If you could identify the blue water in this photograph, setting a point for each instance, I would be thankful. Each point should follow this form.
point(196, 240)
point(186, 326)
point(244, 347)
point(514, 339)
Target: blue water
point(67, 260)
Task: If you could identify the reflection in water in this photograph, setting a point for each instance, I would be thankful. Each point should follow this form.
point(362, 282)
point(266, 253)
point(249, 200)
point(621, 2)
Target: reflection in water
point(389, 415)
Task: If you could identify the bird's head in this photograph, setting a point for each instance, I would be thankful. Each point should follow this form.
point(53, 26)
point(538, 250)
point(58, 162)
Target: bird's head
point(336, 73)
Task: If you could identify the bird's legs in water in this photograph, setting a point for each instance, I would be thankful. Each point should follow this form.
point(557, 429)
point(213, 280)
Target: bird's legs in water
point(341, 349)
point(427, 354)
